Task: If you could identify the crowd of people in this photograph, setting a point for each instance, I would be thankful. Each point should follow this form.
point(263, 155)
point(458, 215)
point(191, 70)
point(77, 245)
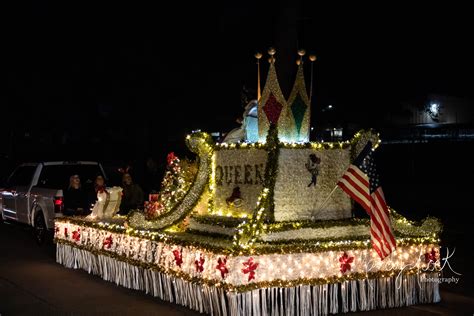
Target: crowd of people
point(79, 201)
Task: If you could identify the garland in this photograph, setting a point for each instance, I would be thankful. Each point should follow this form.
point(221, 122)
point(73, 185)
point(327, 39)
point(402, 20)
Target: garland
point(245, 287)
point(425, 233)
point(247, 233)
point(223, 221)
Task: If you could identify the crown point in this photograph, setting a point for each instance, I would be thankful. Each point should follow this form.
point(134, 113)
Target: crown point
point(271, 51)
point(258, 55)
point(301, 52)
point(312, 57)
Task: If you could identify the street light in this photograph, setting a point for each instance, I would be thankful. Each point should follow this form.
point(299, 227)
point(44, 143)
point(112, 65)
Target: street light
point(327, 108)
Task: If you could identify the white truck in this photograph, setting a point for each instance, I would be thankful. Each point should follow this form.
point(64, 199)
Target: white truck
point(33, 193)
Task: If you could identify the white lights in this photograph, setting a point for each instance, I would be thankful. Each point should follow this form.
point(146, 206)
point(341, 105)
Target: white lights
point(290, 267)
point(434, 108)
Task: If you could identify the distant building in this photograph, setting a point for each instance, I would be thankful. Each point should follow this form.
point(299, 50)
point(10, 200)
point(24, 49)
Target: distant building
point(435, 118)
point(435, 110)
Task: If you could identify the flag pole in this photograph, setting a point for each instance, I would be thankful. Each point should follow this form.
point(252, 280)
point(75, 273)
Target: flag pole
point(325, 201)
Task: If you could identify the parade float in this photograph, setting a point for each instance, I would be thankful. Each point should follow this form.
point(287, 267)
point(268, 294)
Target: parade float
point(260, 226)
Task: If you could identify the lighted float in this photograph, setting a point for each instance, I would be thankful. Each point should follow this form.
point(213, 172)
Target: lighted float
point(260, 230)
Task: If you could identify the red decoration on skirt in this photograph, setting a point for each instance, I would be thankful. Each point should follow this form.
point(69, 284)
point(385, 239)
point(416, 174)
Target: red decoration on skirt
point(345, 261)
point(221, 266)
point(250, 268)
point(178, 257)
point(76, 235)
point(108, 242)
point(199, 263)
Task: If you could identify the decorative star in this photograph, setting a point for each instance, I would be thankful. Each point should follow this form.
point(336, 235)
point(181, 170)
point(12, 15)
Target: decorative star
point(178, 257)
point(250, 268)
point(221, 266)
point(345, 261)
point(199, 263)
point(108, 242)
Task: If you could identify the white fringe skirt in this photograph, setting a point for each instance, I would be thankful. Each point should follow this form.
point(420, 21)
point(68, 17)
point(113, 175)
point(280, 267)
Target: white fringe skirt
point(347, 296)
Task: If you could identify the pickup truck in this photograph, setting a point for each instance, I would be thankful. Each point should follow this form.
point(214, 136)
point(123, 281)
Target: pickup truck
point(33, 194)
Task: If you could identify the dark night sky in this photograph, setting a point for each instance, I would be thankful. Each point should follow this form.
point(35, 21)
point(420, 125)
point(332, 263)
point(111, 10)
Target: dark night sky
point(181, 67)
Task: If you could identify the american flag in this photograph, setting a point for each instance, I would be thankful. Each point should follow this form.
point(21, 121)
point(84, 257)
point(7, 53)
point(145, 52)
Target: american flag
point(361, 181)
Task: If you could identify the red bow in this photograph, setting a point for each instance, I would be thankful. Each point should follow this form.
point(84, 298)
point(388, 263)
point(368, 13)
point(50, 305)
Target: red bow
point(178, 257)
point(250, 268)
point(171, 158)
point(76, 235)
point(221, 266)
point(199, 263)
point(430, 257)
point(345, 261)
point(108, 242)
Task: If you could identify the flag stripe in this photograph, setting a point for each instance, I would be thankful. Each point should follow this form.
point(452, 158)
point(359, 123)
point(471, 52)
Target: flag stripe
point(363, 188)
point(356, 195)
point(375, 218)
point(377, 249)
point(377, 240)
point(382, 212)
point(378, 231)
point(377, 246)
point(360, 175)
point(356, 188)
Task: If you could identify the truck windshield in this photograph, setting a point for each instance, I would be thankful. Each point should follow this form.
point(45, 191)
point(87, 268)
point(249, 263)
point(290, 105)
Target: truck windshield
point(22, 176)
point(57, 176)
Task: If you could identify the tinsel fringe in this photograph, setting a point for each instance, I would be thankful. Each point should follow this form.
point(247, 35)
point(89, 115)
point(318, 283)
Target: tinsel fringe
point(354, 295)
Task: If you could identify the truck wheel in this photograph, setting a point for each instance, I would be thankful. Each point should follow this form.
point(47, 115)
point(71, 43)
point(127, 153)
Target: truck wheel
point(40, 228)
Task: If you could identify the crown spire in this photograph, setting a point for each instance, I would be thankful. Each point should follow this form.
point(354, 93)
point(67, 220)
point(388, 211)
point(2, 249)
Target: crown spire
point(258, 55)
point(299, 105)
point(312, 58)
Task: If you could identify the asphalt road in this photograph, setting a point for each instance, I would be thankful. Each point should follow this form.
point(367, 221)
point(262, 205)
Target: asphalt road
point(32, 283)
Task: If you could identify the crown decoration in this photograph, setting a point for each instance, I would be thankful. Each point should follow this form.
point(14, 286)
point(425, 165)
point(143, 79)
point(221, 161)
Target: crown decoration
point(292, 116)
point(272, 107)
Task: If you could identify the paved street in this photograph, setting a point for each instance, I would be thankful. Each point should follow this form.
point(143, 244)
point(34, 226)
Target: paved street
point(32, 283)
